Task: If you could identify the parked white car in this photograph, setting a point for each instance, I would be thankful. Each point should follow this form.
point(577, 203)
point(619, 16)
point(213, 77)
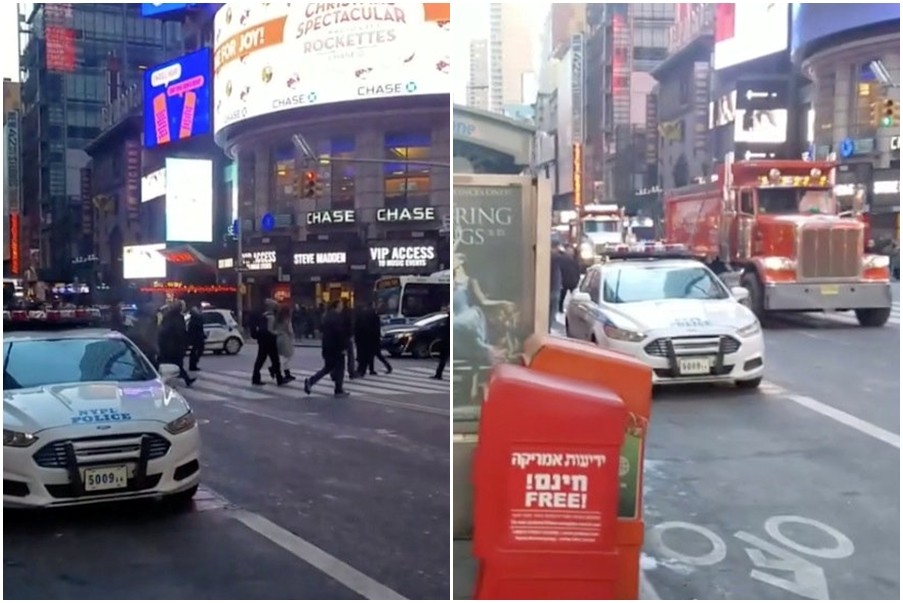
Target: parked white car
point(222, 332)
point(674, 315)
point(87, 419)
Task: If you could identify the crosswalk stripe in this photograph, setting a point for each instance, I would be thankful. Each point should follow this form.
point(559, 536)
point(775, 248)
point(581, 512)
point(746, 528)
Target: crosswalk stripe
point(381, 384)
point(215, 388)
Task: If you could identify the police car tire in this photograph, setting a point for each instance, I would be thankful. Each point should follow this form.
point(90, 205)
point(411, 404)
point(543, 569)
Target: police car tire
point(749, 383)
point(181, 501)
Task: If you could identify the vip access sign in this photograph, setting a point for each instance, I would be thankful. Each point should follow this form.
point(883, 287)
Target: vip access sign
point(272, 57)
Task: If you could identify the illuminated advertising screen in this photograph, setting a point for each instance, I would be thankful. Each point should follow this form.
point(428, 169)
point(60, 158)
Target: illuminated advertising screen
point(761, 126)
point(153, 186)
point(177, 99)
point(811, 21)
point(739, 31)
point(143, 261)
point(154, 9)
point(189, 200)
point(272, 57)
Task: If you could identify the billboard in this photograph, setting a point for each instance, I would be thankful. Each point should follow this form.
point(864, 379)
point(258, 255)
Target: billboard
point(766, 126)
point(403, 257)
point(811, 22)
point(189, 200)
point(12, 174)
point(154, 9)
point(177, 99)
point(153, 186)
point(272, 57)
point(143, 261)
point(739, 31)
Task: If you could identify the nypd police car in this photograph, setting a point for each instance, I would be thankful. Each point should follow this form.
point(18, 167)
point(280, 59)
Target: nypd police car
point(673, 314)
point(87, 419)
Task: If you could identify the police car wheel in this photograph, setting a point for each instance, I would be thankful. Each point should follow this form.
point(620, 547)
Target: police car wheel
point(181, 501)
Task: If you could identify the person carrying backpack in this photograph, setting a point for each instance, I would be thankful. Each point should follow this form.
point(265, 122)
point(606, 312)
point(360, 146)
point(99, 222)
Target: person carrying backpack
point(262, 327)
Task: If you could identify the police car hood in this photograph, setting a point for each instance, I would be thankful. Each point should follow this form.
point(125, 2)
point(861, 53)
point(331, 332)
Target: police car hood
point(688, 313)
point(100, 403)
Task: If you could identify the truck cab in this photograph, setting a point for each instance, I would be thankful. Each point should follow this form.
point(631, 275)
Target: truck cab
point(778, 223)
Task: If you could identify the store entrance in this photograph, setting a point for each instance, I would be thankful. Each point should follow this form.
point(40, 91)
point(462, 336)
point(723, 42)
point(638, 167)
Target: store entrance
point(334, 291)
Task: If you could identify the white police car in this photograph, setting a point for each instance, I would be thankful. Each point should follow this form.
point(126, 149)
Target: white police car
point(674, 315)
point(87, 419)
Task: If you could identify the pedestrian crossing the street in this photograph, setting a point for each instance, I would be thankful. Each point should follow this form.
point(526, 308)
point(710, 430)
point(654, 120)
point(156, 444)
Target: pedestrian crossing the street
point(230, 385)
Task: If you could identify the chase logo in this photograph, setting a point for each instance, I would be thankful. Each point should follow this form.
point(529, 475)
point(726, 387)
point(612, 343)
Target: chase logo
point(411, 87)
point(311, 97)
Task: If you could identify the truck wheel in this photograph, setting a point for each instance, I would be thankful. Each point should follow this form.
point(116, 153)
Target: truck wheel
point(750, 281)
point(873, 317)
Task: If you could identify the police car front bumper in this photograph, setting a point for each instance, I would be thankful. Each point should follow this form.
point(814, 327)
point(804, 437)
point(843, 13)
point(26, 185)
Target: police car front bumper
point(26, 484)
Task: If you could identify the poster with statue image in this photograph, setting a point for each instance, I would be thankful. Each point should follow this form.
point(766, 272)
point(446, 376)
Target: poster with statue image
point(492, 281)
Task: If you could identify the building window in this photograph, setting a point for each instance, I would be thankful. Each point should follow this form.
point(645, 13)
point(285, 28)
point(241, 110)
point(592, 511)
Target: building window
point(407, 183)
point(285, 175)
point(341, 171)
point(647, 53)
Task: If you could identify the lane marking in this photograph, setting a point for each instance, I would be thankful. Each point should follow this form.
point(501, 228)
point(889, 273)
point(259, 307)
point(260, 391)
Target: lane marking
point(311, 554)
point(333, 567)
point(258, 413)
point(844, 418)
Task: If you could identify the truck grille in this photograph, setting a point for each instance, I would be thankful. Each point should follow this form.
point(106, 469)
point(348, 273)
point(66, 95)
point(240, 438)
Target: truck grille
point(101, 449)
point(830, 252)
point(707, 345)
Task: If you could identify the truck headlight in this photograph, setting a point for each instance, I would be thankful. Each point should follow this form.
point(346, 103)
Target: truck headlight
point(875, 261)
point(182, 424)
point(779, 264)
point(619, 334)
point(586, 251)
point(753, 328)
point(18, 439)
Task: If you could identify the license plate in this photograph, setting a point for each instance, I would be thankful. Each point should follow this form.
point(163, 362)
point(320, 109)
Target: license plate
point(830, 290)
point(106, 478)
point(694, 366)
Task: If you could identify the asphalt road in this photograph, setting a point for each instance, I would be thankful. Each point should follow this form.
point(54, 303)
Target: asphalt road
point(789, 492)
point(303, 497)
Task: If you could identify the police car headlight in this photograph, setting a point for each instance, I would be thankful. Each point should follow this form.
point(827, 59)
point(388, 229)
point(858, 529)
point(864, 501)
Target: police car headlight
point(619, 334)
point(586, 251)
point(18, 439)
point(182, 424)
point(753, 328)
point(875, 261)
point(775, 263)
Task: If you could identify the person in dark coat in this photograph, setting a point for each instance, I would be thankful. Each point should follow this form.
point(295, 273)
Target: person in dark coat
point(444, 345)
point(555, 283)
point(196, 337)
point(145, 333)
point(174, 340)
point(263, 329)
point(117, 320)
point(570, 277)
point(348, 321)
point(334, 344)
point(368, 337)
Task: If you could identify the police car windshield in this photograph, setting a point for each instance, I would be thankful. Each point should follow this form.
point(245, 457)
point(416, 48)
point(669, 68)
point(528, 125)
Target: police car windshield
point(36, 363)
point(643, 284)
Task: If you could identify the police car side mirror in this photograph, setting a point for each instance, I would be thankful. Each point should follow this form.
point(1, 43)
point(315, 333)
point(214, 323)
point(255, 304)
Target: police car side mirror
point(169, 373)
point(741, 294)
point(580, 296)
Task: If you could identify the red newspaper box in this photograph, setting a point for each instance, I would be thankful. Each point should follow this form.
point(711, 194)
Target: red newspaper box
point(546, 488)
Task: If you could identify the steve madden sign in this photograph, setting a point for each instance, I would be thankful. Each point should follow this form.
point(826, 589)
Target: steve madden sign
point(402, 256)
point(332, 216)
point(321, 259)
point(406, 214)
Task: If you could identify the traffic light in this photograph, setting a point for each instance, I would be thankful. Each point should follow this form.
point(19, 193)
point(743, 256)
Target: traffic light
point(890, 112)
point(310, 184)
point(875, 114)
